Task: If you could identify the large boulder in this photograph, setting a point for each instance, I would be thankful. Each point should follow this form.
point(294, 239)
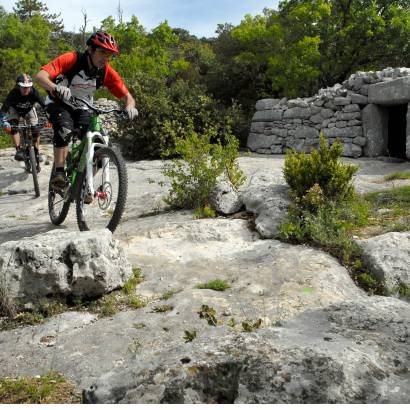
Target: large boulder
point(85, 264)
point(225, 198)
point(269, 202)
point(388, 257)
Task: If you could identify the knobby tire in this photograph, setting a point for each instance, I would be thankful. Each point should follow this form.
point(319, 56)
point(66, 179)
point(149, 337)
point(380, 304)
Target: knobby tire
point(33, 166)
point(56, 218)
point(117, 159)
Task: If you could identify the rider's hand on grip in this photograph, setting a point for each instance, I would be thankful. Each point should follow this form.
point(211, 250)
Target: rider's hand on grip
point(62, 92)
point(132, 112)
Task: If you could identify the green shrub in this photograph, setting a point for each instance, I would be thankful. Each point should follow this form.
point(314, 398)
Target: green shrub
point(329, 226)
point(171, 108)
point(200, 162)
point(320, 171)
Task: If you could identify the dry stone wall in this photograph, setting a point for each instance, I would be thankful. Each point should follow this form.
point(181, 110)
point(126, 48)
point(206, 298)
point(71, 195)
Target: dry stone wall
point(337, 112)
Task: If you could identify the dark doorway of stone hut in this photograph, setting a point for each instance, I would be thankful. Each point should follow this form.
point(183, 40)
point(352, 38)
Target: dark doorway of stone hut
point(397, 131)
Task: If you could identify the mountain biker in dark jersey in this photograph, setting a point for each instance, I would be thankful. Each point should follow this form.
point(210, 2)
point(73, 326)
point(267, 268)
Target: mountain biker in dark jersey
point(18, 104)
point(80, 75)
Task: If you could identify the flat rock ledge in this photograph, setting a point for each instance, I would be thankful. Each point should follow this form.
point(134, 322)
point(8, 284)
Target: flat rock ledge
point(350, 352)
point(86, 264)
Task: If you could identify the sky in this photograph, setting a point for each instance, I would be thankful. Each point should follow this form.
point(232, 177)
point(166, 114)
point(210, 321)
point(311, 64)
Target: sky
point(199, 17)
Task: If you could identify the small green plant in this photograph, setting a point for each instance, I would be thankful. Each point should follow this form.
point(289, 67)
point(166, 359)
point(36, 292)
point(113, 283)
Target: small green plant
point(367, 281)
point(209, 314)
point(132, 283)
point(108, 305)
point(231, 322)
point(197, 166)
point(139, 325)
point(50, 388)
point(404, 291)
point(134, 346)
point(48, 307)
point(250, 326)
point(189, 335)
point(136, 302)
point(162, 308)
point(397, 175)
point(204, 212)
point(77, 301)
point(216, 284)
point(168, 294)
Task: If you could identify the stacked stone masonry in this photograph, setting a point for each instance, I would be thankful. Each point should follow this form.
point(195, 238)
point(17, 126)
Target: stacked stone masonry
point(355, 113)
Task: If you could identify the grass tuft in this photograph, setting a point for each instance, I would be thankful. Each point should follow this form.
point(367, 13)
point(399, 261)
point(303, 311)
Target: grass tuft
point(397, 175)
point(51, 388)
point(132, 283)
point(216, 284)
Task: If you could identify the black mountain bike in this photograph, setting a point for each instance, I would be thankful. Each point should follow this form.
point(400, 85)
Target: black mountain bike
point(31, 163)
point(96, 178)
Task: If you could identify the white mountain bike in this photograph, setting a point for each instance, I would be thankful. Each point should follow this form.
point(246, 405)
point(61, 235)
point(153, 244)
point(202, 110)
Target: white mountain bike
point(96, 178)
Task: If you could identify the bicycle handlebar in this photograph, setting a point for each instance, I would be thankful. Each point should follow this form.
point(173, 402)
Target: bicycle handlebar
point(4, 120)
point(75, 102)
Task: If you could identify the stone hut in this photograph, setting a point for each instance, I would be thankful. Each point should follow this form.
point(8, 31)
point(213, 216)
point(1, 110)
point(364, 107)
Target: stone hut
point(368, 113)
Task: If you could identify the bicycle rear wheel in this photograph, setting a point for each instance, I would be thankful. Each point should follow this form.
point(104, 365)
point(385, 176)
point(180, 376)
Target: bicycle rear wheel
point(110, 186)
point(33, 166)
point(58, 205)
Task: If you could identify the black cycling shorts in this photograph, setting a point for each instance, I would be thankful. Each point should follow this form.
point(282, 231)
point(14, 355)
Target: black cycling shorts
point(65, 120)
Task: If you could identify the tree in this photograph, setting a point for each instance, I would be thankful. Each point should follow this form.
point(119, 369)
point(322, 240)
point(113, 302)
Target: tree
point(83, 28)
point(26, 9)
point(24, 47)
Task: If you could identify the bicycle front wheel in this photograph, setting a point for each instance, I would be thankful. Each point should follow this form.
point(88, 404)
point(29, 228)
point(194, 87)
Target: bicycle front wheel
point(58, 204)
point(110, 183)
point(33, 169)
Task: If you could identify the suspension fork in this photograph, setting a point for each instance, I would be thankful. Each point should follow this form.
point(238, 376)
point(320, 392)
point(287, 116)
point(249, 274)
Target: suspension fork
point(91, 145)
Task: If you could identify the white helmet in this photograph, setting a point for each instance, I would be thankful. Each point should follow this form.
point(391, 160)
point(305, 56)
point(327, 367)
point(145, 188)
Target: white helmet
point(24, 81)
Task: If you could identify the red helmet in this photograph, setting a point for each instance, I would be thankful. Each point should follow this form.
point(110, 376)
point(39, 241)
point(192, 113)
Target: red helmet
point(103, 40)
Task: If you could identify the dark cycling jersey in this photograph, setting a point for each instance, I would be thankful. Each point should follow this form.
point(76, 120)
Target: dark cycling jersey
point(72, 70)
point(22, 103)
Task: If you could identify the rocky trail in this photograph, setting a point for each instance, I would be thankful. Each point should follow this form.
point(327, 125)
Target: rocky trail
point(316, 336)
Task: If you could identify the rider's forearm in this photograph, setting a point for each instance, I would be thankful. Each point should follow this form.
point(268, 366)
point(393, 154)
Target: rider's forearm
point(43, 78)
point(128, 100)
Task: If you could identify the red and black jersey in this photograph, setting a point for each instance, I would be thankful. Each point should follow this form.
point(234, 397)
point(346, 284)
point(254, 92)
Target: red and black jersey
point(22, 103)
point(72, 70)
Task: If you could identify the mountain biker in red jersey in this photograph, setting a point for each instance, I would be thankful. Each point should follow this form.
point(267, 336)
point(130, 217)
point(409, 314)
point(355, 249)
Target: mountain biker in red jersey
point(19, 103)
point(80, 75)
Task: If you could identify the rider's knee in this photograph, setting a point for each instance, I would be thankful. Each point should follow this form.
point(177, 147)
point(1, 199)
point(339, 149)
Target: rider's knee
point(62, 136)
point(14, 126)
point(35, 131)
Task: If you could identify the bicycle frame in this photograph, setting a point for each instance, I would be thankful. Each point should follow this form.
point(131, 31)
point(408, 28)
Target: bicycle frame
point(90, 142)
